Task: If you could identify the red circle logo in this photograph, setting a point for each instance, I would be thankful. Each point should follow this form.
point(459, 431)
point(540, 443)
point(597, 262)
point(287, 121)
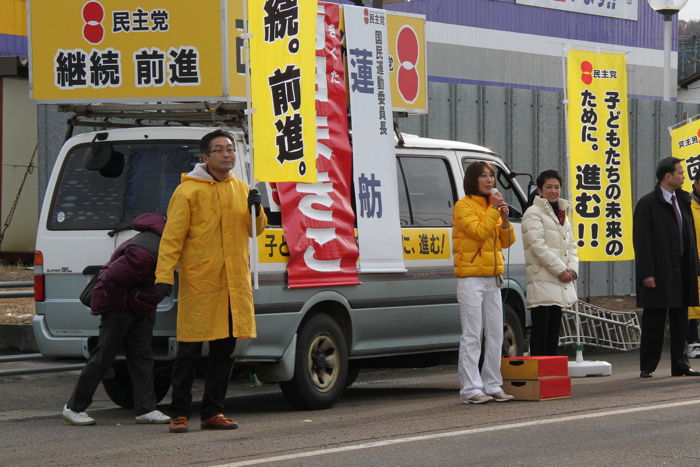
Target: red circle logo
point(93, 14)
point(587, 72)
point(408, 53)
point(366, 16)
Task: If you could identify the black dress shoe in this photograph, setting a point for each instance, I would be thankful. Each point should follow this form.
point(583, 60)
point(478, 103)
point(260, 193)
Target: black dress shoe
point(688, 372)
point(645, 374)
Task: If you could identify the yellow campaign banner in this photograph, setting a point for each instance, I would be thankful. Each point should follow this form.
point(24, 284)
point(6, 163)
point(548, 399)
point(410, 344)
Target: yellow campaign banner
point(407, 65)
point(426, 243)
point(282, 84)
point(127, 51)
point(599, 165)
point(236, 50)
point(685, 145)
point(418, 244)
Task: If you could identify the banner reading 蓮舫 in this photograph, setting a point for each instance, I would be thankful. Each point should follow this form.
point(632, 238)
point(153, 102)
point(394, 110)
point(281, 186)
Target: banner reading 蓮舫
point(599, 165)
point(130, 51)
point(374, 158)
point(318, 218)
point(282, 81)
point(685, 145)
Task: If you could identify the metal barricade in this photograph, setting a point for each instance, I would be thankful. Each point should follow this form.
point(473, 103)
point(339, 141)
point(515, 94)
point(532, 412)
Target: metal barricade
point(615, 330)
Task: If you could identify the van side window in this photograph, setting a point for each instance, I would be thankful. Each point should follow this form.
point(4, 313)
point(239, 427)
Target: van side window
point(85, 200)
point(426, 192)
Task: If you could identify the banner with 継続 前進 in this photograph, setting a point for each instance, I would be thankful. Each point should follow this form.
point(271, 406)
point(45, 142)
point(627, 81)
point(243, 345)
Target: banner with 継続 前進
point(374, 157)
point(599, 164)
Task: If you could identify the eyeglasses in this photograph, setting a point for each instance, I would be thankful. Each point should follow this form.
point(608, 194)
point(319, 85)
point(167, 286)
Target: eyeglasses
point(221, 151)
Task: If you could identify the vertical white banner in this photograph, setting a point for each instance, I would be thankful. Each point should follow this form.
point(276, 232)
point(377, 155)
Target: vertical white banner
point(374, 158)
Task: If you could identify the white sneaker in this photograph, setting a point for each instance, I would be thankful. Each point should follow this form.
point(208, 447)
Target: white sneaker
point(501, 396)
point(478, 399)
point(153, 417)
point(76, 418)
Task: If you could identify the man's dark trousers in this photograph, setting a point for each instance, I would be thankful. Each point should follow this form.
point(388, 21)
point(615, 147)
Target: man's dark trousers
point(217, 373)
point(134, 333)
point(653, 326)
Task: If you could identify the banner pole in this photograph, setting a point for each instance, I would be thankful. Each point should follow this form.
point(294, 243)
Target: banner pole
point(579, 367)
point(251, 171)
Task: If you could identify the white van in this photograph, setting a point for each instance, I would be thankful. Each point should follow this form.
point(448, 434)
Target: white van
point(310, 339)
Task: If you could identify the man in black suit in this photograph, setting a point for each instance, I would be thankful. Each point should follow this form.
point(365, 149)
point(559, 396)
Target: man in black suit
point(664, 244)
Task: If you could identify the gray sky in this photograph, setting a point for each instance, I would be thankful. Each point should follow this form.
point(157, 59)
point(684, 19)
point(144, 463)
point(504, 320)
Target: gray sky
point(691, 11)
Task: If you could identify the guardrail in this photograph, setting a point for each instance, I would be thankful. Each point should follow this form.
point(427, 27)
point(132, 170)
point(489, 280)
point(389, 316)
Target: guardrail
point(16, 293)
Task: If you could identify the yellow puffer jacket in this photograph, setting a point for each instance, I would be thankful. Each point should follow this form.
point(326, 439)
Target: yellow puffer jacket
point(206, 233)
point(478, 239)
point(694, 312)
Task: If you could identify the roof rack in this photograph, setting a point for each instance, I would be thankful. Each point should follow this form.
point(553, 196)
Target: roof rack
point(155, 114)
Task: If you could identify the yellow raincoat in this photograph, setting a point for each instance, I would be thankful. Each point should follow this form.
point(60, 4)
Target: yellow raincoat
point(694, 311)
point(207, 233)
point(478, 239)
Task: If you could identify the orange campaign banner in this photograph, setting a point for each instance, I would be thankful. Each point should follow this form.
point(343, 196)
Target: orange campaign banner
point(282, 87)
point(599, 163)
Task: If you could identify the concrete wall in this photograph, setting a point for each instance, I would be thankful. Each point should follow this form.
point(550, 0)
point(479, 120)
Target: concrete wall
point(19, 133)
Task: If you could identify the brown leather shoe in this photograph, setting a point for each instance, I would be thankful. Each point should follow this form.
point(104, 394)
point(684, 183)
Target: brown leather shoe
point(179, 425)
point(219, 422)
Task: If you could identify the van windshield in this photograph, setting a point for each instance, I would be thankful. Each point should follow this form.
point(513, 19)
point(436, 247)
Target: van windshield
point(86, 200)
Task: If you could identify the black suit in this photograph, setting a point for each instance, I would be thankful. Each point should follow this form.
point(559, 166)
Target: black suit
point(658, 253)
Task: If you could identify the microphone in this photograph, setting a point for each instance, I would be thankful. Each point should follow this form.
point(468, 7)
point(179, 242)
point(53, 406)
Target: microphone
point(493, 192)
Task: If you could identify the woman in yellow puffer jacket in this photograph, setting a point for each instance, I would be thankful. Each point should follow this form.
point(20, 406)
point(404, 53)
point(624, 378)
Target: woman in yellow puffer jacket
point(480, 231)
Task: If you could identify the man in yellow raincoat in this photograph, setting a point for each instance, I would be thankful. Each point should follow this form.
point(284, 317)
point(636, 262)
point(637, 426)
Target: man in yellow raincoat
point(207, 231)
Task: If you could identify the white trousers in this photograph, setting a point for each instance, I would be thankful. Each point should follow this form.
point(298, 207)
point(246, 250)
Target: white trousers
point(480, 309)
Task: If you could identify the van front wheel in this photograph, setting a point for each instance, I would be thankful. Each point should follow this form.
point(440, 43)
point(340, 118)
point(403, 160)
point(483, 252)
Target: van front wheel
point(320, 367)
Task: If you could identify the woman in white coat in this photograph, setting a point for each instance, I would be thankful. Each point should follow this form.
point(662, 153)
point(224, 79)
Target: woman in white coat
point(551, 262)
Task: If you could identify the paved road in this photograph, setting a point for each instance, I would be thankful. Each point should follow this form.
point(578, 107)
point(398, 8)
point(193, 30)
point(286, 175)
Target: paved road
point(389, 417)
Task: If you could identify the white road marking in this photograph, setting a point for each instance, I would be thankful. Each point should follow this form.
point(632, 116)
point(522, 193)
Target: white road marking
point(450, 434)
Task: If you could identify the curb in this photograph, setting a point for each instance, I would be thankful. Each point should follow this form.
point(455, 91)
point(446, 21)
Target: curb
point(17, 337)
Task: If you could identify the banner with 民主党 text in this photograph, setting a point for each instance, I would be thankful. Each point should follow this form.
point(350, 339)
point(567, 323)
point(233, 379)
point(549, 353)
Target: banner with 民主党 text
point(685, 145)
point(127, 51)
point(374, 156)
point(282, 82)
point(599, 165)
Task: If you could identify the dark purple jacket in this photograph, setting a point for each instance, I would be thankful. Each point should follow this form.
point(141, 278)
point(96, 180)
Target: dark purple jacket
point(126, 282)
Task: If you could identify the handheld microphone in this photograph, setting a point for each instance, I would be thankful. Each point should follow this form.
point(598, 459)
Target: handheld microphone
point(493, 192)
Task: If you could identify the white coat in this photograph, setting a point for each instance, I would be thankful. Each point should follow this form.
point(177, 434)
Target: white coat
point(550, 249)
